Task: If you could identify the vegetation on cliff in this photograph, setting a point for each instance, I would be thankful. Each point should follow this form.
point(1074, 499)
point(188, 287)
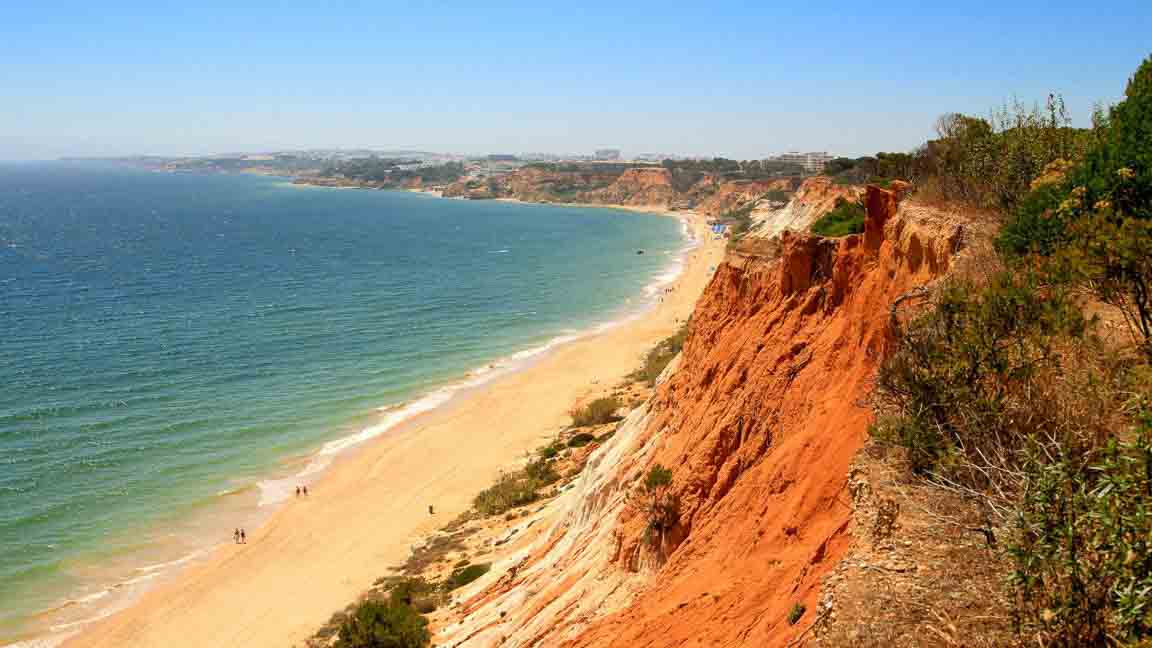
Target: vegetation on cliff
point(847, 217)
point(659, 356)
point(1004, 391)
point(384, 624)
point(597, 412)
point(658, 504)
point(735, 169)
point(985, 162)
point(392, 171)
point(516, 488)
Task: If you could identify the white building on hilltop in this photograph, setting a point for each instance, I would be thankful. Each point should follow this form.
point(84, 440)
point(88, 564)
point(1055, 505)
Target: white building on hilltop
point(812, 162)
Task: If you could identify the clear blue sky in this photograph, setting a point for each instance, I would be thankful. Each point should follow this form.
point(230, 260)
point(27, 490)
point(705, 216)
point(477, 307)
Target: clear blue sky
point(701, 77)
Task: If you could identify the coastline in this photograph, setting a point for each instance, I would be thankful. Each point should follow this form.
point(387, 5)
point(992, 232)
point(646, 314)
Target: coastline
point(442, 456)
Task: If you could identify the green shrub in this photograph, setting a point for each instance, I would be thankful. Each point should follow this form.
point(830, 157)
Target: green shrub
point(961, 386)
point(795, 614)
point(659, 357)
point(541, 472)
point(778, 196)
point(1083, 557)
point(1094, 221)
point(600, 411)
point(660, 507)
point(658, 477)
point(1000, 392)
point(550, 451)
point(406, 590)
point(847, 217)
point(464, 575)
point(509, 491)
point(581, 440)
point(376, 624)
point(516, 489)
point(991, 163)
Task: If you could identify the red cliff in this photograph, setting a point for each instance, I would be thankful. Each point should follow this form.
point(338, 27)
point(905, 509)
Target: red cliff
point(759, 421)
point(646, 186)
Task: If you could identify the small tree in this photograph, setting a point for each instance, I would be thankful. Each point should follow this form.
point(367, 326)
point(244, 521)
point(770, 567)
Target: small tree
point(1094, 225)
point(660, 507)
point(378, 624)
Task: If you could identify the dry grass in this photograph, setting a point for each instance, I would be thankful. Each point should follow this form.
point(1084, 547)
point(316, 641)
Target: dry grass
point(921, 571)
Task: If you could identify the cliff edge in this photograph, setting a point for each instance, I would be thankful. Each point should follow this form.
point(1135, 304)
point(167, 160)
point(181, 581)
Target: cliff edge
point(758, 421)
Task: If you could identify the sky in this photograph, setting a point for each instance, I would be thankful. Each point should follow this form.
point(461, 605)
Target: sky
point(741, 80)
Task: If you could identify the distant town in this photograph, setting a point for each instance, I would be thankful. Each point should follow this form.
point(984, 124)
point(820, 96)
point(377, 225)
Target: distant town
point(323, 162)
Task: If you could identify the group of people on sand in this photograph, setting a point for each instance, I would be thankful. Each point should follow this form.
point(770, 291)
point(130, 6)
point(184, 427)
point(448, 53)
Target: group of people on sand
point(241, 537)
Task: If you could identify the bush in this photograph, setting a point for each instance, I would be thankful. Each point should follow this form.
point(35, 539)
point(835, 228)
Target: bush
point(659, 506)
point(464, 575)
point(1001, 393)
point(990, 163)
point(777, 196)
point(795, 614)
point(509, 491)
point(1093, 220)
point(410, 591)
point(659, 357)
point(376, 624)
point(541, 472)
point(581, 440)
point(960, 391)
point(550, 451)
point(1083, 560)
point(512, 490)
point(598, 412)
point(847, 217)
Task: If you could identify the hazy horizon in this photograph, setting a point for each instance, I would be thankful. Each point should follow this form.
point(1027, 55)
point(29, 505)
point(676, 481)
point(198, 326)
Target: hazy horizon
point(735, 81)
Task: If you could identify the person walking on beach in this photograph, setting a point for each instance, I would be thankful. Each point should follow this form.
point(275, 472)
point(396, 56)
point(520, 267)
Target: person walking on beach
point(236, 536)
point(243, 537)
point(431, 511)
point(304, 489)
point(297, 491)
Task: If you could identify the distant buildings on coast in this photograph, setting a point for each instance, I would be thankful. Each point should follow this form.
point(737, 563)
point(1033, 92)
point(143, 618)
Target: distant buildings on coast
point(812, 162)
point(313, 161)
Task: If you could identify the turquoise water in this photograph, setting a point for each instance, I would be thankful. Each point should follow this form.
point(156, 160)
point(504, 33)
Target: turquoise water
point(169, 340)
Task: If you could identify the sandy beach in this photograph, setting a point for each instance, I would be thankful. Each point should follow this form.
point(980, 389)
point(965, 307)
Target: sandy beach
point(316, 555)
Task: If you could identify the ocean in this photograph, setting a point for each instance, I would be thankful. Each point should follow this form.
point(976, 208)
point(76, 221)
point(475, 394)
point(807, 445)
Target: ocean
point(177, 351)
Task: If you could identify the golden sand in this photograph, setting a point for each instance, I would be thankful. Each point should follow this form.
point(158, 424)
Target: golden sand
point(316, 555)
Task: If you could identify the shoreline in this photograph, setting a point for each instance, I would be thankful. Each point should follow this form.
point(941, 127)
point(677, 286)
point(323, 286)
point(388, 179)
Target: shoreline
point(463, 396)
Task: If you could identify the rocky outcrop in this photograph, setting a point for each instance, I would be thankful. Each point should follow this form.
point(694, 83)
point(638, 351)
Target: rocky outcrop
point(759, 421)
point(815, 197)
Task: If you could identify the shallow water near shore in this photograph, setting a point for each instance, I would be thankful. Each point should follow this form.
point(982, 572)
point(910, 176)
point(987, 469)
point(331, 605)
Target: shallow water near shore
point(179, 351)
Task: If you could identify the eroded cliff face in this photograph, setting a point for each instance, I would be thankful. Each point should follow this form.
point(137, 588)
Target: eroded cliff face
point(758, 421)
point(815, 197)
point(650, 186)
point(637, 186)
point(536, 184)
